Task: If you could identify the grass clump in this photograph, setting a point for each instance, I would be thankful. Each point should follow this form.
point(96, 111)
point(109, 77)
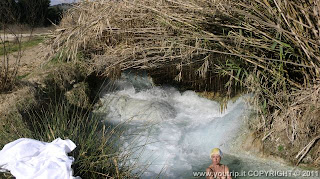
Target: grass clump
point(98, 154)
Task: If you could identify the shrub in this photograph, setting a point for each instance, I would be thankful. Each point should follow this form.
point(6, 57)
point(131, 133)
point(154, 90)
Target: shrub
point(98, 154)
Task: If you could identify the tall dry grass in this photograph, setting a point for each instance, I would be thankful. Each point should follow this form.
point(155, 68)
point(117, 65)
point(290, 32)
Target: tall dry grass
point(9, 65)
point(271, 47)
point(277, 43)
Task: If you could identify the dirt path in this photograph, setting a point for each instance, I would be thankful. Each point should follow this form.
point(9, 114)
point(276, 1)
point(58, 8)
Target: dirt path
point(30, 63)
point(31, 59)
point(13, 37)
point(14, 31)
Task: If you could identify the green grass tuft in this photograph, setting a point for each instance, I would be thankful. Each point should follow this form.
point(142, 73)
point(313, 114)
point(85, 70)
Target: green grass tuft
point(15, 46)
point(97, 154)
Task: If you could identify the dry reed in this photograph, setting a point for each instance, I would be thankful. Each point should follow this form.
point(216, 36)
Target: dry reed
point(271, 47)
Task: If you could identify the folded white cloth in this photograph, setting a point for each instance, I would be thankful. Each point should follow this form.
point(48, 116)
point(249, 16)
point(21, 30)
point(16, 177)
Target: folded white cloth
point(32, 159)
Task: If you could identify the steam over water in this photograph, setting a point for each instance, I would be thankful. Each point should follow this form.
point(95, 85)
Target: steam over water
point(178, 130)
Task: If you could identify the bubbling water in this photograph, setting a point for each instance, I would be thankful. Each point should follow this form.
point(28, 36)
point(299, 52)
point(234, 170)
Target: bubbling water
point(182, 127)
point(177, 129)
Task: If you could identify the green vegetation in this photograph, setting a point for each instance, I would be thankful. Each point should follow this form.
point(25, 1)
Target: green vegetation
point(15, 46)
point(280, 148)
point(22, 76)
point(269, 48)
point(36, 113)
point(61, 107)
point(13, 128)
point(97, 154)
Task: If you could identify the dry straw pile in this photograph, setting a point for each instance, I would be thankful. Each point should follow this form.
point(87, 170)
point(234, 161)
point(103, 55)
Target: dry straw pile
point(271, 47)
point(118, 35)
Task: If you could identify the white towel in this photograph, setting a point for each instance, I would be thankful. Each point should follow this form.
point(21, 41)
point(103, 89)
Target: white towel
point(31, 159)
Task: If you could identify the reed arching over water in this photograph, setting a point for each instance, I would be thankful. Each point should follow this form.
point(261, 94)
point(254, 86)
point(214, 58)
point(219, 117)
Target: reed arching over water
point(268, 47)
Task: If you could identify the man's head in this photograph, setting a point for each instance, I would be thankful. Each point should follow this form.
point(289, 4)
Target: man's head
point(216, 155)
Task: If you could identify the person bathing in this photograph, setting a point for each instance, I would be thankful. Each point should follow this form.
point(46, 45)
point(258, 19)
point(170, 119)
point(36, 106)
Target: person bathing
point(217, 170)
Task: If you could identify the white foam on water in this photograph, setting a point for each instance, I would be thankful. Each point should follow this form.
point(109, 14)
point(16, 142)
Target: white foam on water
point(178, 130)
point(183, 127)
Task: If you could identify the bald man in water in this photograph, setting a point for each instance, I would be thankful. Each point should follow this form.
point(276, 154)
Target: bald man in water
point(217, 170)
